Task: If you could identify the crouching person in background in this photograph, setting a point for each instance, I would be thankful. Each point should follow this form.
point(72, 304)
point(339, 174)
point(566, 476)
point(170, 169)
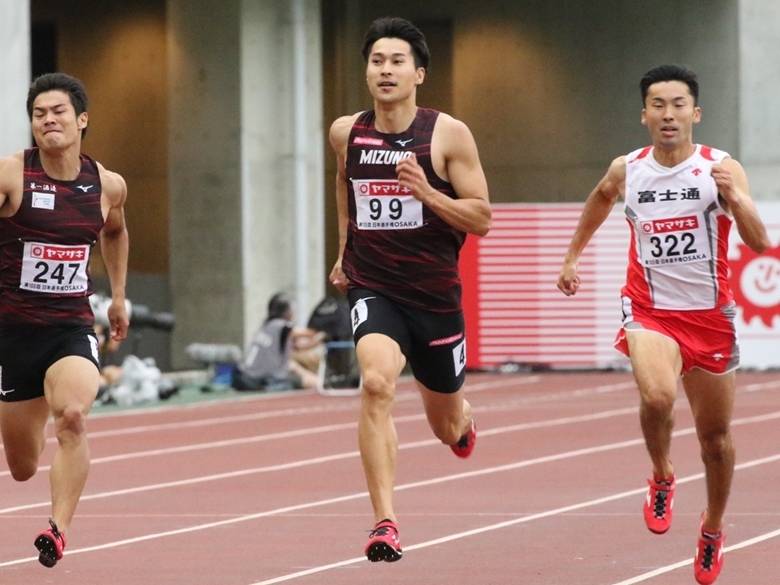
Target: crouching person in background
point(281, 356)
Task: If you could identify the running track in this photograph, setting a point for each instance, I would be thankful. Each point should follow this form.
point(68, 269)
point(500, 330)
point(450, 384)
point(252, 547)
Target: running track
point(262, 489)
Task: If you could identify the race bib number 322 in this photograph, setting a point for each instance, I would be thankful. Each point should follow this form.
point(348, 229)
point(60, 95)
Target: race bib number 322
point(677, 240)
point(54, 269)
point(385, 205)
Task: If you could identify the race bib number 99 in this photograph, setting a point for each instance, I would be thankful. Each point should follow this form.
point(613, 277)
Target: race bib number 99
point(678, 240)
point(49, 268)
point(385, 205)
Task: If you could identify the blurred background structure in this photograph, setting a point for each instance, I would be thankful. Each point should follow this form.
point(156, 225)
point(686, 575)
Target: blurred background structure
point(216, 114)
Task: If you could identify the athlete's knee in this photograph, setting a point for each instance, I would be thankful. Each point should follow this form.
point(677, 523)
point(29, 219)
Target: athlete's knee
point(70, 424)
point(22, 468)
point(378, 388)
point(716, 444)
point(658, 400)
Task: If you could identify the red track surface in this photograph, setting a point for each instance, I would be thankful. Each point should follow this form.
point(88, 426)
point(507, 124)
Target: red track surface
point(269, 489)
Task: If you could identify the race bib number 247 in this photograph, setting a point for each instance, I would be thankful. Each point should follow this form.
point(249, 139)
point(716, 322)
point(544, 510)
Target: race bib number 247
point(54, 269)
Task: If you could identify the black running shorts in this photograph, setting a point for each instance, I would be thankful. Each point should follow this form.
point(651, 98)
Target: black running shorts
point(434, 343)
point(28, 351)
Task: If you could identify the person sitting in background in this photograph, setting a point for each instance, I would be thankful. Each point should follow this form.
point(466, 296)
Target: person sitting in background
point(110, 374)
point(282, 356)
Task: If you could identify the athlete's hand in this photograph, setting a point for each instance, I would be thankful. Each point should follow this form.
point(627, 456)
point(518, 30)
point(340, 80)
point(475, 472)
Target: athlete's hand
point(118, 319)
point(568, 280)
point(412, 176)
point(724, 180)
point(338, 278)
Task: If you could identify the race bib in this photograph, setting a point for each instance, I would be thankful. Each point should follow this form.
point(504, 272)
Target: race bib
point(359, 313)
point(459, 357)
point(385, 205)
point(677, 240)
point(49, 268)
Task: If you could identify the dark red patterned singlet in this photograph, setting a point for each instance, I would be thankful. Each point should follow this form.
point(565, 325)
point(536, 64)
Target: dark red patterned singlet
point(45, 247)
point(395, 245)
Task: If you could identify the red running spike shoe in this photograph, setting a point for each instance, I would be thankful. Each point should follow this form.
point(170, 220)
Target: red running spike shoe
point(658, 504)
point(465, 444)
point(709, 556)
point(383, 543)
point(50, 544)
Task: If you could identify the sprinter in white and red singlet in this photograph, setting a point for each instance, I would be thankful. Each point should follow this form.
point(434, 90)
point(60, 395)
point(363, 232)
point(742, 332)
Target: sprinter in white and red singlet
point(681, 200)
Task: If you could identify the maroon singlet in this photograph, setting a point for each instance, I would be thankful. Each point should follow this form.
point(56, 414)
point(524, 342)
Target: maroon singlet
point(45, 247)
point(395, 245)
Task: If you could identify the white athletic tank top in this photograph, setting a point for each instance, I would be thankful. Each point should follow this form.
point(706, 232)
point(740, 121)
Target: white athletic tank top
point(679, 233)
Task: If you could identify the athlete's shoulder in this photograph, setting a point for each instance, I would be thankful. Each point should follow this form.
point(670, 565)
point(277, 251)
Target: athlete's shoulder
point(113, 185)
point(452, 132)
point(341, 127)
point(618, 166)
point(451, 123)
point(638, 155)
point(13, 162)
point(712, 154)
point(11, 171)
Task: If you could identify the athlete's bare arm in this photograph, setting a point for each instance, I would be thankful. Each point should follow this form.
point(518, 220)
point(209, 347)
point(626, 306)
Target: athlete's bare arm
point(339, 137)
point(597, 208)
point(11, 183)
point(733, 187)
point(114, 245)
point(456, 160)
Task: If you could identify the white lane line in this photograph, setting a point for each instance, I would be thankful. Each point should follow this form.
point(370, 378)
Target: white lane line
point(350, 405)
point(413, 445)
point(530, 518)
point(348, 455)
point(668, 568)
point(340, 406)
point(330, 501)
point(352, 425)
point(257, 438)
point(297, 507)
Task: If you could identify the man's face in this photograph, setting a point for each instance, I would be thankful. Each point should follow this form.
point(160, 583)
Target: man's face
point(55, 125)
point(391, 73)
point(670, 113)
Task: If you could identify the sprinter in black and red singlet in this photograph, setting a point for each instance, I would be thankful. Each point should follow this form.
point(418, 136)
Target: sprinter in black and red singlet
point(409, 188)
point(55, 204)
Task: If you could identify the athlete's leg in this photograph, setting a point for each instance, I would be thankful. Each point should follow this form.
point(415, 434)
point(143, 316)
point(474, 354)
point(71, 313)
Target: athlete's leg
point(381, 362)
point(712, 402)
point(656, 363)
point(23, 428)
point(71, 385)
point(449, 415)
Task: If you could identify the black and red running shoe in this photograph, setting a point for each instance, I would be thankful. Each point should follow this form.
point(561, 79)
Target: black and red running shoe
point(383, 543)
point(50, 544)
point(465, 444)
point(658, 504)
point(709, 555)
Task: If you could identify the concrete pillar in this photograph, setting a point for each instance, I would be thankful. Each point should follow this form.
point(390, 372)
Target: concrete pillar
point(759, 151)
point(15, 75)
point(233, 162)
point(282, 155)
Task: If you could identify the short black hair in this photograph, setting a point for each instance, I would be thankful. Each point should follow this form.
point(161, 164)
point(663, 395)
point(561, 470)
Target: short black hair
point(59, 82)
point(279, 306)
point(670, 72)
point(398, 28)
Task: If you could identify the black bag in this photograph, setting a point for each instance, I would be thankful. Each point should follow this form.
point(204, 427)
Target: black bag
point(332, 317)
point(243, 381)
